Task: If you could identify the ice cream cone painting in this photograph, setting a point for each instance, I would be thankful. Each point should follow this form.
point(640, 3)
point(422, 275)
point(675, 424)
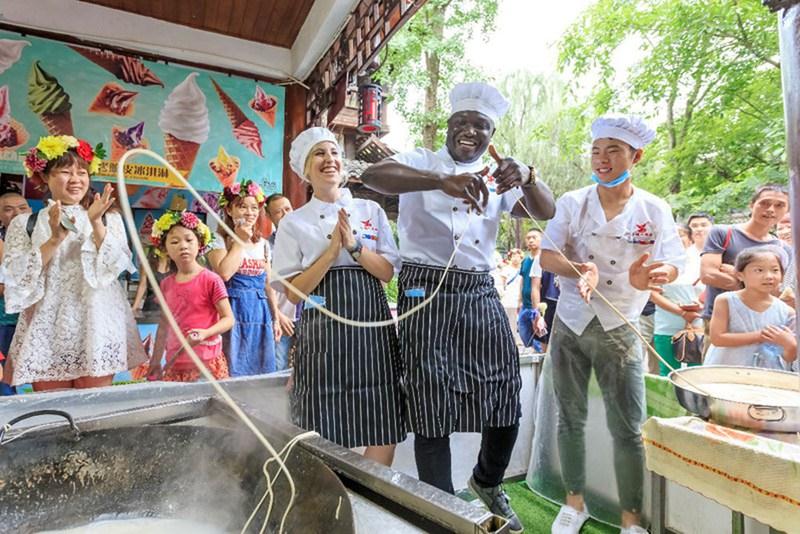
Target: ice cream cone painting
point(184, 121)
point(178, 203)
point(125, 68)
point(114, 100)
point(265, 105)
point(225, 167)
point(48, 99)
point(124, 139)
point(244, 130)
point(10, 52)
point(12, 134)
point(152, 199)
point(147, 227)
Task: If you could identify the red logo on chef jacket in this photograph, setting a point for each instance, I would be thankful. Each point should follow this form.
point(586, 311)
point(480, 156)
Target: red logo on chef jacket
point(643, 234)
point(368, 230)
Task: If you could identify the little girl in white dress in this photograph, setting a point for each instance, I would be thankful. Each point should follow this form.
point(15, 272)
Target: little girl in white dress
point(751, 327)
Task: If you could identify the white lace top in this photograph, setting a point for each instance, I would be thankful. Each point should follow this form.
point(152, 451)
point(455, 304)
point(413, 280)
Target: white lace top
point(75, 318)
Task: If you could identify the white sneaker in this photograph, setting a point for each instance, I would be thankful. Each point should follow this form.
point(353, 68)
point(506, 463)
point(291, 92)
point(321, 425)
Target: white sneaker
point(569, 520)
point(633, 529)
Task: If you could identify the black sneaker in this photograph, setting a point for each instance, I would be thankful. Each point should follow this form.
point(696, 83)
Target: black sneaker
point(497, 502)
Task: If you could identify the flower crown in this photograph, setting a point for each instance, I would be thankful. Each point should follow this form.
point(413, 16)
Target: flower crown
point(55, 146)
point(247, 188)
point(187, 219)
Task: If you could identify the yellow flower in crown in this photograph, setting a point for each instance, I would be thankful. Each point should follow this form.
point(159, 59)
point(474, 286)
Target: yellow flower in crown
point(207, 235)
point(166, 221)
point(53, 146)
point(94, 166)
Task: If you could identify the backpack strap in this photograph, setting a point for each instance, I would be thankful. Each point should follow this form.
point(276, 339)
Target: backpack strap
point(728, 236)
point(31, 224)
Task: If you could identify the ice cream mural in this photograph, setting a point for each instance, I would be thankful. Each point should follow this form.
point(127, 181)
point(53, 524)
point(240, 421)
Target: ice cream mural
point(225, 167)
point(211, 126)
point(244, 130)
point(124, 139)
point(184, 121)
point(10, 52)
point(12, 133)
point(125, 68)
point(48, 99)
point(265, 105)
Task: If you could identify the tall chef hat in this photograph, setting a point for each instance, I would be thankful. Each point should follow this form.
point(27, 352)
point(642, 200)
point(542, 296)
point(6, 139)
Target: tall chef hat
point(302, 145)
point(629, 128)
point(478, 96)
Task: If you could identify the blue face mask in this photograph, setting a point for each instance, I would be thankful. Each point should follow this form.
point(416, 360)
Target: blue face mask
point(613, 183)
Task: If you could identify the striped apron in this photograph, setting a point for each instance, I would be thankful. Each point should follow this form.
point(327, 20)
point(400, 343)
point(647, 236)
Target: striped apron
point(460, 358)
point(347, 379)
point(250, 344)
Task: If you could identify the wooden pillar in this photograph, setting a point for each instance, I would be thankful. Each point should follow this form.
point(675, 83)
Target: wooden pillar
point(293, 187)
point(789, 30)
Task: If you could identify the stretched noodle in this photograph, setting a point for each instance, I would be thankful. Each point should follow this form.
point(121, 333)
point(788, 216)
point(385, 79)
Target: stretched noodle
point(137, 245)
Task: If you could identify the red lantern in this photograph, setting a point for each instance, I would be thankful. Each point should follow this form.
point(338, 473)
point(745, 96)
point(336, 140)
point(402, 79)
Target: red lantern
point(369, 114)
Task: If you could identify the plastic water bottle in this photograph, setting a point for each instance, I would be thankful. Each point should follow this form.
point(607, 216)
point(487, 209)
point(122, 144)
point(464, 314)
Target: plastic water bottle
point(768, 356)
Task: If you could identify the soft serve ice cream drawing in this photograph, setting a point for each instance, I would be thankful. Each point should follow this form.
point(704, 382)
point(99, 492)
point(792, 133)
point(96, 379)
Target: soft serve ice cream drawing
point(184, 121)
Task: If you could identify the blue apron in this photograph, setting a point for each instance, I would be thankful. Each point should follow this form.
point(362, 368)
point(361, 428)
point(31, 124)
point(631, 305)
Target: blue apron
point(250, 345)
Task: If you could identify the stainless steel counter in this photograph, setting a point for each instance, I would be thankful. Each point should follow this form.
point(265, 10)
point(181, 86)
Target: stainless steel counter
point(380, 496)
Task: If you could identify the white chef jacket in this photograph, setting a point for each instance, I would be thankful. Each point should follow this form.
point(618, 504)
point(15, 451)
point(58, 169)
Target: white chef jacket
point(306, 233)
point(580, 229)
point(431, 222)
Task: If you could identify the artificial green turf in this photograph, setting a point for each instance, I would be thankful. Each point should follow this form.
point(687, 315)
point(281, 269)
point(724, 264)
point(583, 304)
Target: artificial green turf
point(537, 513)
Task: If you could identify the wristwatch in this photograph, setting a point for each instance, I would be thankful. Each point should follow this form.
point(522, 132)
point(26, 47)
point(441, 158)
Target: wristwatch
point(534, 177)
point(355, 252)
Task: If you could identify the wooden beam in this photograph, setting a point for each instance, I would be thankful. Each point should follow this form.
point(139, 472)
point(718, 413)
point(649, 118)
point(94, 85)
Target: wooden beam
point(295, 122)
point(65, 38)
point(370, 26)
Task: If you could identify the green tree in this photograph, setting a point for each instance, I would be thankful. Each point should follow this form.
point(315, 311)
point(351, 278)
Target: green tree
point(708, 72)
point(426, 58)
point(538, 129)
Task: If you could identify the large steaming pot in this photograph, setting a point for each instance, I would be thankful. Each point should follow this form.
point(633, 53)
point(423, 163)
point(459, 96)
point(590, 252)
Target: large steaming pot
point(60, 479)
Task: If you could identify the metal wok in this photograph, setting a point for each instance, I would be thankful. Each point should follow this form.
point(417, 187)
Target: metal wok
point(52, 479)
point(779, 412)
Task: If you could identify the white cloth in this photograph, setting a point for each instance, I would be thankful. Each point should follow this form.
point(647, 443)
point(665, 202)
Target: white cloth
point(302, 145)
point(305, 234)
point(581, 230)
point(511, 290)
point(536, 267)
point(431, 222)
point(76, 320)
point(253, 257)
point(629, 128)
point(478, 96)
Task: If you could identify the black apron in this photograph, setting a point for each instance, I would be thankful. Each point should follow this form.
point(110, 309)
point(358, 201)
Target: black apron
point(459, 354)
point(347, 379)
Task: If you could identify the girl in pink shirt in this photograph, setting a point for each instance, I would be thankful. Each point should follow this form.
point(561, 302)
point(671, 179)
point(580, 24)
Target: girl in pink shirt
point(195, 296)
